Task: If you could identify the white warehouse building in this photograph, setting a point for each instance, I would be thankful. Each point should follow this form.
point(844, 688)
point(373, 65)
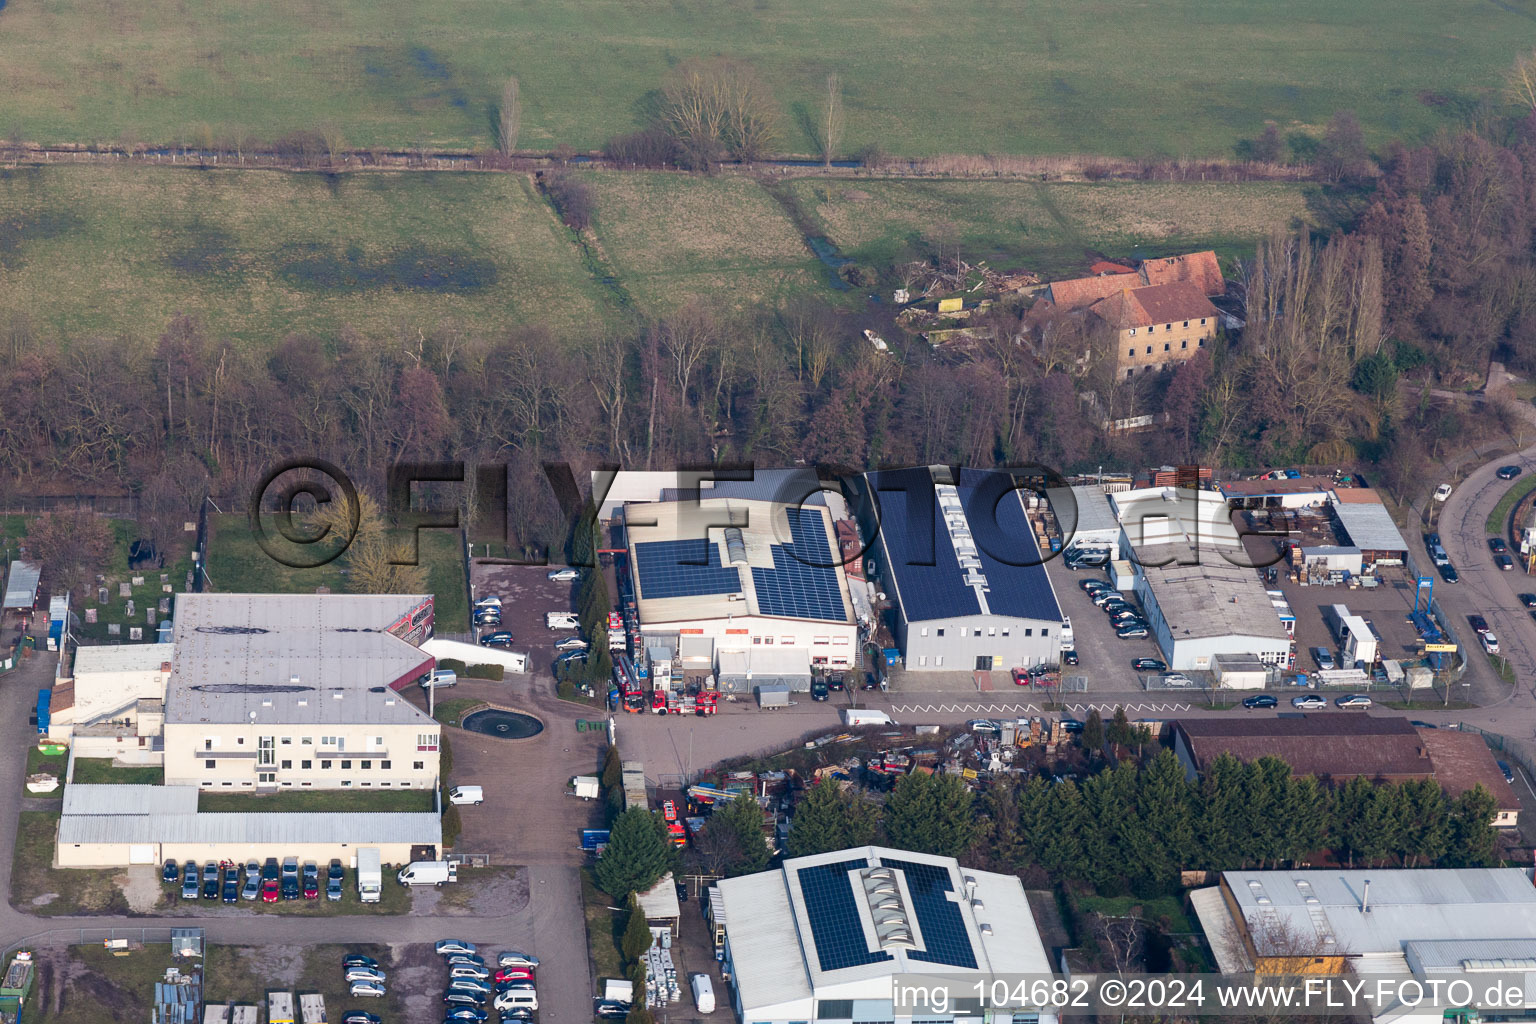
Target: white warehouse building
point(820, 939)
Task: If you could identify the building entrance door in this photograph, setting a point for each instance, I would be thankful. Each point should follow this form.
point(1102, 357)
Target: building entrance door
point(984, 662)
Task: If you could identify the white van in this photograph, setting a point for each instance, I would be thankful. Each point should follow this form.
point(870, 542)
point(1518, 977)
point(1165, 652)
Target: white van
point(856, 717)
point(561, 620)
point(466, 795)
point(1066, 634)
point(428, 872)
point(517, 998)
point(703, 993)
point(439, 679)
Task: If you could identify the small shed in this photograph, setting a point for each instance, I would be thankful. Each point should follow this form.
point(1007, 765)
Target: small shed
point(660, 905)
point(21, 585)
point(745, 671)
point(1239, 672)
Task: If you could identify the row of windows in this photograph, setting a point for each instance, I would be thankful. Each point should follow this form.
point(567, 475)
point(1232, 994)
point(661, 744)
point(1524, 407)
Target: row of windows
point(991, 631)
point(268, 777)
point(339, 742)
point(325, 765)
point(1131, 352)
point(1167, 327)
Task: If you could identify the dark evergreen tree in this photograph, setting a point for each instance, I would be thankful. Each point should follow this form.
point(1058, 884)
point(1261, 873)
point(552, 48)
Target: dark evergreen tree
point(1093, 732)
point(1473, 842)
point(828, 818)
point(637, 934)
point(931, 814)
point(1165, 804)
point(637, 854)
point(1427, 828)
point(740, 822)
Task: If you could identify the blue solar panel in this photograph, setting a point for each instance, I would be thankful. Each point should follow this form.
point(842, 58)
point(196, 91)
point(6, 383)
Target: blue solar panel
point(1010, 558)
point(919, 554)
point(835, 925)
point(683, 568)
point(944, 935)
point(803, 581)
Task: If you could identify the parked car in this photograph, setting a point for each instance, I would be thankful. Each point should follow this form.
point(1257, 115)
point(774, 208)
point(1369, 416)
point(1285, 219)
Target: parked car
point(1353, 700)
point(361, 1017)
point(1478, 623)
point(1091, 586)
point(502, 639)
point(1148, 665)
point(470, 985)
point(269, 869)
point(609, 1010)
point(468, 971)
point(1309, 702)
point(464, 958)
point(1422, 725)
point(1442, 492)
point(311, 880)
point(1176, 679)
point(252, 887)
point(488, 601)
point(819, 689)
point(230, 892)
point(463, 999)
point(1497, 545)
point(1131, 632)
point(488, 617)
point(1071, 725)
point(983, 725)
point(1490, 643)
point(363, 974)
point(1448, 573)
point(473, 795)
point(1509, 774)
point(358, 960)
point(210, 881)
point(290, 878)
point(1069, 657)
point(1260, 700)
point(189, 882)
point(564, 575)
point(682, 893)
point(333, 878)
point(571, 643)
point(269, 890)
point(1508, 472)
point(366, 988)
point(516, 958)
point(468, 1014)
point(447, 946)
point(835, 682)
point(515, 986)
point(514, 974)
point(1504, 562)
point(1529, 600)
point(1106, 595)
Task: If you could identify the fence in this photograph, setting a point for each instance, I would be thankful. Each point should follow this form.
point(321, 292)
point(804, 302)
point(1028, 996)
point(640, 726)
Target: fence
point(1459, 666)
point(88, 936)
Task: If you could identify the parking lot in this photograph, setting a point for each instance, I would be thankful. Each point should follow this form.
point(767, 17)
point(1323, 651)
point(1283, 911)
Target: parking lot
point(1386, 607)
point(1104, 658)
point(526, 593)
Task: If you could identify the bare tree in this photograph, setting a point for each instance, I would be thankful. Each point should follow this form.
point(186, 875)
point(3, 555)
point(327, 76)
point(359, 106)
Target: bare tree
point(335, 143)
point(1121, 940)
point(832, 119)
point(1520, 80)
point(718, 107)
point(509, 118)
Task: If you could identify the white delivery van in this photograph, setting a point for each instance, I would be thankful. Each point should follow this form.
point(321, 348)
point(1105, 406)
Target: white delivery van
point(561, 620)
point(703, 993)
point(428, 872)
point(370, 876)
point(1066, 634)
point(856, 717)
point(517, 998)
point(466, 795)
point(440, 678)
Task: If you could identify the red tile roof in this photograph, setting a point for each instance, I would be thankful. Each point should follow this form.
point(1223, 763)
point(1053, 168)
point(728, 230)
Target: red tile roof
point(1336, 746)
point(1199, 268)
point(1357, 496)
point(1154, 304)
point(1105, 267)
point(1082, 292)
point(1463, 761)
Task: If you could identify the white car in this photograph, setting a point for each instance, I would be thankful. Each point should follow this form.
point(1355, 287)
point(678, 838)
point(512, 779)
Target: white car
point(1311, 701)
point(515, 998)
point(564, 575)
point(571, 643)
point(488, 601)
point(468, 971)
point(1177, 679)
point(373, 974)
point(1442, 492)
point(1490, 642)
point(515, 958)
point(367, 988)
point(447, 946)
point(1354, 700)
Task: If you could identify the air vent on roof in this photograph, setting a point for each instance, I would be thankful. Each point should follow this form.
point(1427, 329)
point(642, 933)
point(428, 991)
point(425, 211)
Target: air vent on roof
point(266, 703)
point(390, 702)
point(336, 695)
point(294, 679)
point(978, 905)
point(735, 547)
point(303, 703)
point(985, 929)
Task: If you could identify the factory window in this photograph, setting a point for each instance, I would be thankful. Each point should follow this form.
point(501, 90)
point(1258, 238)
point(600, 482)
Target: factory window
point(767, 639)
point(210, 764)
point(287, 765)
point(287, 741)
point(383, 783)
point(939, 631)
point(923, 631)
point(938, 659)
point(757, 641)
point(922, 659)
point(210, 742)
point(426, 741)
point(346, 766)
point(367, 784)
point(1006, 631)
point(1130, 373)
point(1133, 331)
point(821, 641)
point(306, 765)
point(240, 740)
point(1166, 346)
point(1149, 350)
point(346, 782)
point(266, 753)
point(991, 631)
point(325, 765)
point(418, 765)
point(1186, 323)
point(307, 741)
point(1152, 330)
point(1184, 344)
point(1030, 631)
point(366, 764)
point(834, 1009)
point(385, 766)
point(1131, 352)
point(266, 776)
point(1168, 327)
point(303, 784)
point(1046, 631)
point(1202, 321)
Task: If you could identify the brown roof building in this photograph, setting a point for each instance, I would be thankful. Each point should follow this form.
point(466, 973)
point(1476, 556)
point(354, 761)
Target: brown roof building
point(1156, 326)
point(1339, 747)
point(1198, 268)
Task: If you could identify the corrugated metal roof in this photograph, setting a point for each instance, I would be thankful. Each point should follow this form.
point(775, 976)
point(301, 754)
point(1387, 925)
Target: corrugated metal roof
point(1370, 527)
point(423, 829)
point(659, 902)
point(80, 798)
point(1332, 745)
point(1094, 513)
point(1448, 954)
point(21, 584)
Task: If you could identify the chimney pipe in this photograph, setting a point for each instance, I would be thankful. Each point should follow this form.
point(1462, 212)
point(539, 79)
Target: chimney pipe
point(1365, 901)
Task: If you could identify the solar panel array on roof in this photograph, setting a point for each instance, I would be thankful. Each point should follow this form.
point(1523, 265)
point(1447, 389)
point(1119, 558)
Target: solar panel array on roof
point(683, 568)
point(922, 559)
point(938, 918)
point(1005, 542)
point(802, 583)
point(835, 926)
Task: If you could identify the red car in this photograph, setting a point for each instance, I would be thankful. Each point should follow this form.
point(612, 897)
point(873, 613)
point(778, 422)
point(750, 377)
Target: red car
point(269, 890)
point(514, 974)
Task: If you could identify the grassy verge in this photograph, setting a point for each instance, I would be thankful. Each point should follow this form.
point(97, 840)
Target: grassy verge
point(99, 771)
point(451, 712)
point(1163, 908)
point(75, 891)
point(1498, 519)
point(343, 801)
point(1427, 705)
point(238, 565)
point(38, 762)
point(603, 929)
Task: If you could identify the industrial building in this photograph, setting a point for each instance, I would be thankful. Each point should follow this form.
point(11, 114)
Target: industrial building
point(1393, 923)
point(819, 939)
point(117, 826)
point(960, 564)
point(723, 576)
point(1363, 522)
point(1337, 748)
point(113, 702)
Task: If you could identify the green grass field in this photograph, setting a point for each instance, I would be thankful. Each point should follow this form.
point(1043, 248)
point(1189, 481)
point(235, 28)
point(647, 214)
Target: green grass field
point(1188, 77)
point(1050, 228)
point(256, 255)
point(238, 565)
point(671, 236)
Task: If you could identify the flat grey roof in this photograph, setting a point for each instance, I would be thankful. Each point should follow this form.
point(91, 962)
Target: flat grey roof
point(21, 584)
point(129, 800)
point(423, 829)
point(1405, 905)
point(293, 658)
point(1369, 526)
point(1210, 600)
point(1449, 954)
point(123, 658)
point(1094, 512)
